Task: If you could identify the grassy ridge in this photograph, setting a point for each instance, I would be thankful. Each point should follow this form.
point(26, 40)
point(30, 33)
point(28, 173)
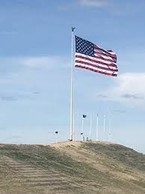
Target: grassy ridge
point(71, 168)
point(120, 153)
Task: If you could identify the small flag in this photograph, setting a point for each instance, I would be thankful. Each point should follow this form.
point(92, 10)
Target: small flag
point(84, 116)
point(90, 56)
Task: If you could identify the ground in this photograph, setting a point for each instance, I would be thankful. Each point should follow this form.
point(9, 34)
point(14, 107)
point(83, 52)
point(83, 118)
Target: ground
point(71, 168)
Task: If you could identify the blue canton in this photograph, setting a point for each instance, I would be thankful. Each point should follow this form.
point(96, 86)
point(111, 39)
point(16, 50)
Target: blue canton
point(84, 46)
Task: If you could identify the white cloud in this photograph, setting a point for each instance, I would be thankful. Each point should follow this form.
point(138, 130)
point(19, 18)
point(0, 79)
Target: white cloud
point(94, 3)
point(36, 62)
point(23, 78)
point(12, 65)
point(128, 88)
point(131, 83)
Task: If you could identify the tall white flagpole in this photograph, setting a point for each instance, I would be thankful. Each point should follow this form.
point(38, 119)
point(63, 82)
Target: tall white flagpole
point(71, 89)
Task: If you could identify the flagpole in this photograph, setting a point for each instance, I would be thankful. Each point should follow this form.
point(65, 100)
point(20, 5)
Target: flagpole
point(109, 137)
point(104, 127)
point(90, 130)
point(82, 130)
point(97, 129)
point(71, 89)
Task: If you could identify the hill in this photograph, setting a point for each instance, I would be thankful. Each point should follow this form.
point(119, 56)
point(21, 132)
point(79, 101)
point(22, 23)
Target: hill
point(71, 168)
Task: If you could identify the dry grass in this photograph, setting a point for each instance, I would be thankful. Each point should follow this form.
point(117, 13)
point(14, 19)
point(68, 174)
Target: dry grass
point(71, 167)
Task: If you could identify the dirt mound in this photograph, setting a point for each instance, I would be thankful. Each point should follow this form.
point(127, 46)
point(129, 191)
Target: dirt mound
point(71, 167)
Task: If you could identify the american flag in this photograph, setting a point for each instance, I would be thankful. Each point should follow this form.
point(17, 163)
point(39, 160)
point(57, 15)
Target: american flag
point(90, 56)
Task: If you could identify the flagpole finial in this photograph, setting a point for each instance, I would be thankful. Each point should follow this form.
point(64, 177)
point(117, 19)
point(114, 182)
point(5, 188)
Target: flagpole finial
point(73, 28)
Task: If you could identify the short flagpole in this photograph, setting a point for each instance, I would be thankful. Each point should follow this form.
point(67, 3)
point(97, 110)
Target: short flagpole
point(97, 128)
point(71, 89)
point(104, 127)
point(90, 130)
point(82, 130)
point(109, 137)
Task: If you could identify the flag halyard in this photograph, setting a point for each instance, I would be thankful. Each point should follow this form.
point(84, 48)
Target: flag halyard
point(90, 56)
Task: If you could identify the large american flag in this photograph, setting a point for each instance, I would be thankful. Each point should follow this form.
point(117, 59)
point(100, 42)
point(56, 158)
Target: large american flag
point(90, 56)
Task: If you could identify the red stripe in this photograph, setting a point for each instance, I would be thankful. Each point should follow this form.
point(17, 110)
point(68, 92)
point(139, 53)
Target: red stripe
point(97, 66)
point(101, 56)
point(97, 71)
point(95, 58)
point(105, 52)
point(107, 55)
point(95, 61)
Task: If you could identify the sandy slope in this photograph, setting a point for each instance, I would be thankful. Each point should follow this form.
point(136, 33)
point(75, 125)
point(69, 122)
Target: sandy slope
point(71, 167)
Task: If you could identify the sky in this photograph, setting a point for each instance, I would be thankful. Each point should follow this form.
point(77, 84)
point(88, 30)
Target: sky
point(35, 67)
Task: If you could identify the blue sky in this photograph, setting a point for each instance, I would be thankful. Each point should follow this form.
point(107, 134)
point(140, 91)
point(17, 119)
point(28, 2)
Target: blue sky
point(35, 61)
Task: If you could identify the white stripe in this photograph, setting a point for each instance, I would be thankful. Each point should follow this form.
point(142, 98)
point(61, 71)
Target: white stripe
point(104, 61)
point(96, 61)
point(104, 57)
point(96, 69)
point(105, 52)
point(96, 64)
